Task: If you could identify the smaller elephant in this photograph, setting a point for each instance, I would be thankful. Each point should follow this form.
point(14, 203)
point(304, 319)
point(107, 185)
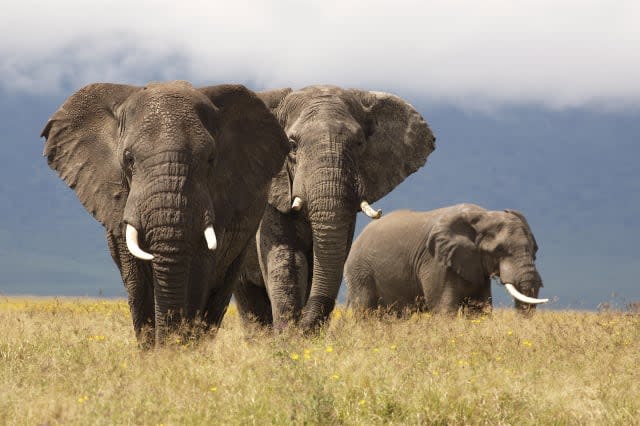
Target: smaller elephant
point(443, 260)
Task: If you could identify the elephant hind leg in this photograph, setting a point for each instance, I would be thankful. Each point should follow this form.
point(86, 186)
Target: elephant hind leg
point(253, 302)
point(361, 292)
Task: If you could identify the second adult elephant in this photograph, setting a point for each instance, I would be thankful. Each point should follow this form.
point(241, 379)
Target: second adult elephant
point(348, 149)
point(443, 260)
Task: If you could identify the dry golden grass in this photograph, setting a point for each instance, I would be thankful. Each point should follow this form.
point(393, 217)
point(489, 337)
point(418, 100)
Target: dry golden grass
point(76, 361)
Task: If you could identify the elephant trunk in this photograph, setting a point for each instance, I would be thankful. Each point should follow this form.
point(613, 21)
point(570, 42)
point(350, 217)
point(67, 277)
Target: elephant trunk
point(332, 217)
point(528, 285)
point(522, 281)
point(169, 227)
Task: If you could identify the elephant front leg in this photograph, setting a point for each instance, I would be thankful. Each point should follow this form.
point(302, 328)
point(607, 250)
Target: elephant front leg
point(478, 302)
point(249, 290)
point(138, 282)
point(287, 282)
point(283, 260)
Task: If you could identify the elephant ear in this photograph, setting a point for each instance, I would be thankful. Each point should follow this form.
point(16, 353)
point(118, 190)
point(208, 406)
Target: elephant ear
point(251, 148)
point(520, 216)
point(81, 146)
point(273, 98)
point(280, 195)
point(398, 142)
point(452, 243)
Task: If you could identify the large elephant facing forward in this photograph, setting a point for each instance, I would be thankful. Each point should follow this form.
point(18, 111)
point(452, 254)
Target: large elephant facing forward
point(179, 178)
point(348, 149)
point(443, 260)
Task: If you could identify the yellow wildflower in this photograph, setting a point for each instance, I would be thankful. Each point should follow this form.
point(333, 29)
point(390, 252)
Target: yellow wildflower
point(329, 349)
point(295, 356)
point(393, 347)
point(362, 402)
point(213, 389)
point(527, 343)
point(335, 376)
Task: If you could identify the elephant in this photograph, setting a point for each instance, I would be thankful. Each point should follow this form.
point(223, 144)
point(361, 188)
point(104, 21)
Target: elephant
point(179, 178)
point(442, 261)
point(349, 148)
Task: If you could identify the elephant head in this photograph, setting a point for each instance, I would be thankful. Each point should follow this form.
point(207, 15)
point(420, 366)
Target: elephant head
point(167, 168)
point(476, 243)
point(348, 149)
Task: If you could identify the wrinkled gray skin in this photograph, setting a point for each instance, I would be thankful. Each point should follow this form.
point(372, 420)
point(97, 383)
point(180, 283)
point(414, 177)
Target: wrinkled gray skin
point(347, 146)
point(441, 260)
point(170, 159)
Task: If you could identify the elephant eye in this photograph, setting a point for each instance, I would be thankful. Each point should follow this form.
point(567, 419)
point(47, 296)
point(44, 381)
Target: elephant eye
point(293, 143)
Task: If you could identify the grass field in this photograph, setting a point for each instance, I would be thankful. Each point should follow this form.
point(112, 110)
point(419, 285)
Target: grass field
point(76, 361)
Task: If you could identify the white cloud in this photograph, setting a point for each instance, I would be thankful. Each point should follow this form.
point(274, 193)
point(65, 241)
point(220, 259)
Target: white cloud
point(558, 53)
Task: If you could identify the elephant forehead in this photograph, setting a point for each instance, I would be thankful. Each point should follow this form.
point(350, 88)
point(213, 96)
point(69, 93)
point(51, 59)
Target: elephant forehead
point(321, 125)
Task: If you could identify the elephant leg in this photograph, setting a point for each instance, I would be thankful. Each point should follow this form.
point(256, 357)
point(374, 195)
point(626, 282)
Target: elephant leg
point(442, 290)
point(138, 282)
point(361, 292)
point(253, 303)
point(221, 296)
point(250, 293)
point(284, 264)
point(478, 302)
point(286, 284)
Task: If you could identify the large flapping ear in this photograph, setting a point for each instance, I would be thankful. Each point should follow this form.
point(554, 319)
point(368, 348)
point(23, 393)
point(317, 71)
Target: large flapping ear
point(251, 148)
point(398, 142)
point(452, 243)
point(520, 216)
point(81, 146)
point(280, 195)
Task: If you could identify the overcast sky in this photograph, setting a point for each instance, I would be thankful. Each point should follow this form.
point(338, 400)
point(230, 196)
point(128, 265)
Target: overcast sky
point(558, 53)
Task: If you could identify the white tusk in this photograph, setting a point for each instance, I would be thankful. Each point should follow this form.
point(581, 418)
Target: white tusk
point(369, 211)
point(210, 236)
point(521, 297)
point(297, 204)
point(132, 244)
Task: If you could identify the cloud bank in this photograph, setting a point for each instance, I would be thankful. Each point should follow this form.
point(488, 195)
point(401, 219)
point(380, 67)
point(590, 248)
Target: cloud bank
point(561, 53)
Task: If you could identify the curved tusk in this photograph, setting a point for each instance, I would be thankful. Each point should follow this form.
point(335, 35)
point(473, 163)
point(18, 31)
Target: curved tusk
point(521, 297)
point(369, 211)
point(297, 204)
point(210, 236)
point(132, 244)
